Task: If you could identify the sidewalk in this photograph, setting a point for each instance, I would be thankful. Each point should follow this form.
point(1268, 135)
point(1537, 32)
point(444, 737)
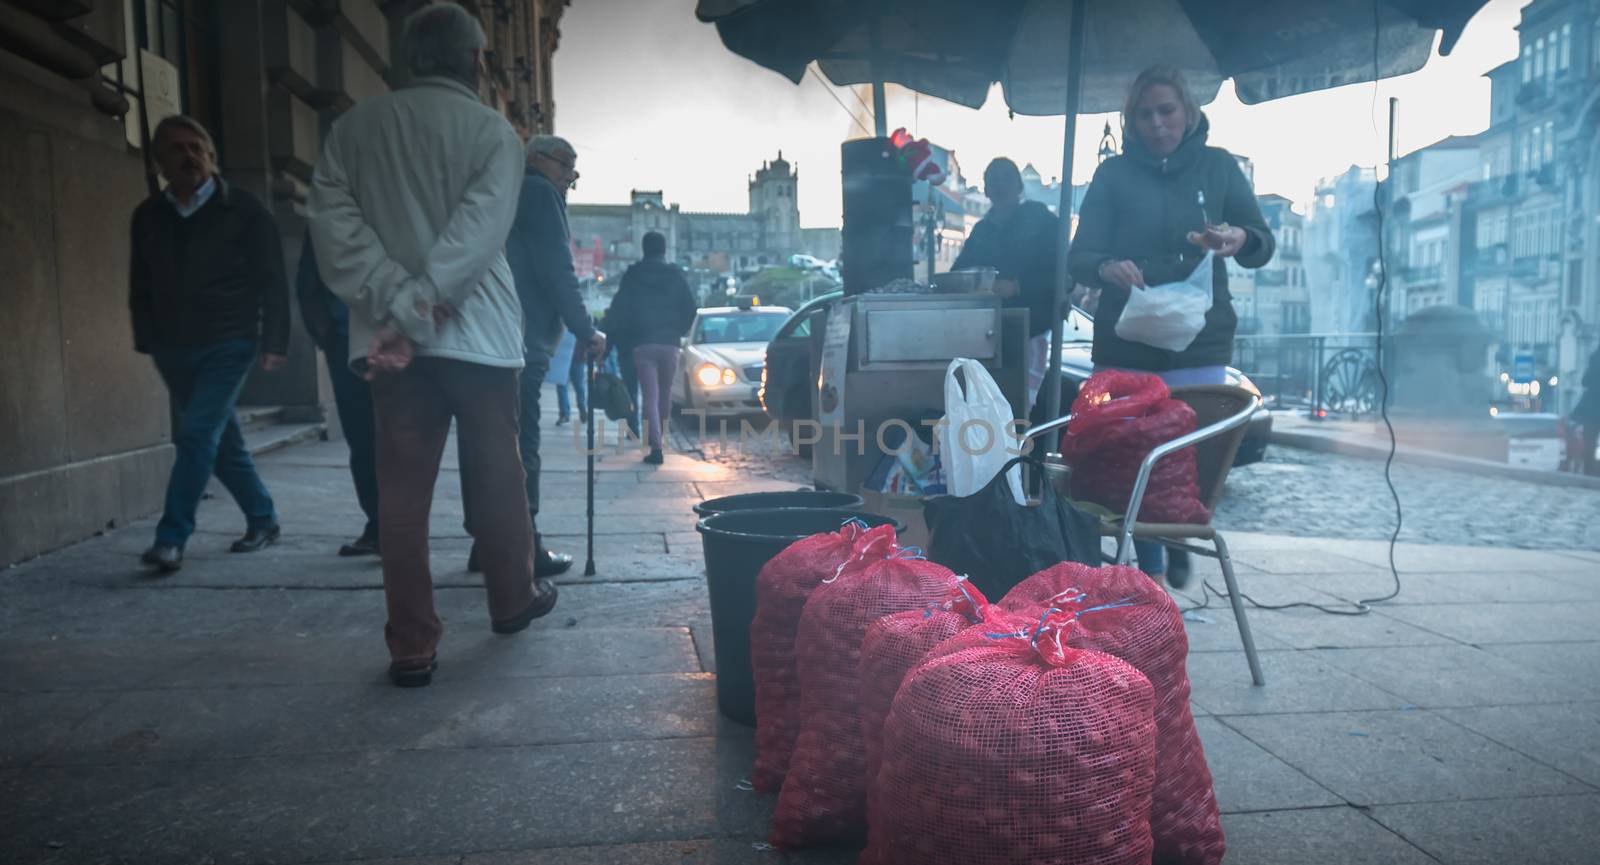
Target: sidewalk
point(237, 712)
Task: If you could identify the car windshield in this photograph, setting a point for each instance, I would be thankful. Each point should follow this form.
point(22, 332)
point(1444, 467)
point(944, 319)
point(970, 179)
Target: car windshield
point(1079, 327)
point(739, 327)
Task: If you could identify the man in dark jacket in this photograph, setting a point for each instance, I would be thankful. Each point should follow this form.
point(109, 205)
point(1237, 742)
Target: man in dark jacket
point(653, 309)
point(1018, 239)
point(327, 319)
point(207, 293)
point(539, 251)
point(1586, 415)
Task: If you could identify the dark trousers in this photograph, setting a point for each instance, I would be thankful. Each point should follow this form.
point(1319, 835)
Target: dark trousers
point(204, 382)
point(352, 397)
point(413, 411)
point(538, 364)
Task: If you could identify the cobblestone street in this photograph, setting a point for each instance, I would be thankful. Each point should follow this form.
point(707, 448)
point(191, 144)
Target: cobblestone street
point(1300, 492)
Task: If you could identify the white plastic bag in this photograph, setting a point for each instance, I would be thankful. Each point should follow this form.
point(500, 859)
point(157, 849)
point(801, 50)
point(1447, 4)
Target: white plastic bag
point(1171, 315)
point(979, 434)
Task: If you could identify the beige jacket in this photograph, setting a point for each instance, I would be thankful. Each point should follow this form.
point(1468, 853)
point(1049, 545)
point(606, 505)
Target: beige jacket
point(410, 206)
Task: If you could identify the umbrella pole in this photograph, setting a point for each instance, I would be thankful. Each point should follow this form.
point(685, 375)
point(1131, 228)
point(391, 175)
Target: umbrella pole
point(1052, 376)
point(880, 111)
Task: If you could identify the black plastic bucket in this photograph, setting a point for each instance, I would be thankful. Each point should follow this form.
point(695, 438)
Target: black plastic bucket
point(737, 544)
point(795, 499)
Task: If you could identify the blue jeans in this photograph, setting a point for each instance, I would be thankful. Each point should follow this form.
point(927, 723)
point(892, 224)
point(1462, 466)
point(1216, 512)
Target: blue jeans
point(577, 385)
point(205, 381)
point(1152, 556)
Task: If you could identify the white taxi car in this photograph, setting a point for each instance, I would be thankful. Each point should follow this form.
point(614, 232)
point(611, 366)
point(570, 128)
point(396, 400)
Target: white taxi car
point(719, 367)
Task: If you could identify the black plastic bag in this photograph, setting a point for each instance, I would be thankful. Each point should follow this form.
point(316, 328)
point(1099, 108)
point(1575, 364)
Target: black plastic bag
point(998, 543)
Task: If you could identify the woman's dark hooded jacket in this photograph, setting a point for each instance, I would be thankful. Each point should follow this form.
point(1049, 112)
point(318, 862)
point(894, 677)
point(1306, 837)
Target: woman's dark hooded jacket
point(653, 306)
point(1140, 207)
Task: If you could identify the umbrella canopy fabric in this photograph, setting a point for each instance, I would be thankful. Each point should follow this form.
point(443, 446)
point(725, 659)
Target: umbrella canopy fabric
point(955, 49)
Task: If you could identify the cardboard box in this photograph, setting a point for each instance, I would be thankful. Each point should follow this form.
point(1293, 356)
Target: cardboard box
point(906, 509)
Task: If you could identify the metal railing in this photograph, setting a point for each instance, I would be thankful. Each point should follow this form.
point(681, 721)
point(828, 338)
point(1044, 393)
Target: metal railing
point(1322, 373)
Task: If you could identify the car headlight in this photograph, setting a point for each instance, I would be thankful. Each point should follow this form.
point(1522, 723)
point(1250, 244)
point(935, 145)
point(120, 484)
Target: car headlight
point(708, 374)
point(728, 376)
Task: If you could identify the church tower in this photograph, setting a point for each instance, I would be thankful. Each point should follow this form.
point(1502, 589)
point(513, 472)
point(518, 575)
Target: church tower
point(773, 202)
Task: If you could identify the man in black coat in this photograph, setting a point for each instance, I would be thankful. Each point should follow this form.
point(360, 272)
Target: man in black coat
point(1018, 239)
point(539, 251)
point(207, 295)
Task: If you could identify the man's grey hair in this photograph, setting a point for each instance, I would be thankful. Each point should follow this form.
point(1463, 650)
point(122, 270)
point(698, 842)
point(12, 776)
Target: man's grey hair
point(183, 121)
point(549, 145)
point(442, 40)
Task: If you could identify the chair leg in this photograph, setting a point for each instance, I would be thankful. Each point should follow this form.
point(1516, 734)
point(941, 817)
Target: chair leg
point(1238, 611)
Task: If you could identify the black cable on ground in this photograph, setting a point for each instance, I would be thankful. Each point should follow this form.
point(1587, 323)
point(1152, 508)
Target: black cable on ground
point(1363, 605)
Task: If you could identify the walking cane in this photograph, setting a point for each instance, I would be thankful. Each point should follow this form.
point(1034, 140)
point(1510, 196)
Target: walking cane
point(588, 359)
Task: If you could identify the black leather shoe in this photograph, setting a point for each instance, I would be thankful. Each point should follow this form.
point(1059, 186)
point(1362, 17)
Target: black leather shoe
point(548, 564)
point(362, 546)
point(544, 600)
point(164, 557)
point(413, 674)
point(1177, 568)
point(655, 457)
point(256, 539)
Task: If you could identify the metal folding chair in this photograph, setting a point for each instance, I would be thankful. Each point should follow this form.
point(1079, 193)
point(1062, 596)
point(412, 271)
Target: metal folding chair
point(1223, 412)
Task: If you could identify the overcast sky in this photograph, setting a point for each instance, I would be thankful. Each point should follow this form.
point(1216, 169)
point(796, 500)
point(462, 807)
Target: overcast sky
point(652, 100)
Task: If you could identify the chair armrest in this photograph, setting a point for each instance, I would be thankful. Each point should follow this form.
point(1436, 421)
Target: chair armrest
point(1227, 424)
point(1047, 426)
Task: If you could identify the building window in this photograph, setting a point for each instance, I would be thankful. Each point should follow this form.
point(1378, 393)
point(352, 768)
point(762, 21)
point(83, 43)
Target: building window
point(1538, 58)
point(1527, 63)
point(1565, 53)
point(1549, 143)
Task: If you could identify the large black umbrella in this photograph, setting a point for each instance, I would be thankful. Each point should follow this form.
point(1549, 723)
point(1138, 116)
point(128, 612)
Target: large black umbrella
point(1078, 56)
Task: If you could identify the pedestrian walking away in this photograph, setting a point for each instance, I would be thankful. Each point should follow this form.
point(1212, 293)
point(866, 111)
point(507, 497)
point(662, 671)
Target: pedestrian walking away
point(654, 309)
point(539, 250)
point(1149, 217)
point(411, 203)
point(327, 320)
point(207, 294)
point(1586, 416)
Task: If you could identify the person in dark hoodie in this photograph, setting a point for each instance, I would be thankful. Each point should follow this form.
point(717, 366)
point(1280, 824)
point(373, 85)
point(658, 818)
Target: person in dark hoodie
point(1018, 239)
point(652, 311)
point(1148, 218)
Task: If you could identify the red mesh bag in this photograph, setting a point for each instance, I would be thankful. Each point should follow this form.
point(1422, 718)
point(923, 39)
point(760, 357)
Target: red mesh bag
point(894, 644)
point(1148, 633)
point(824, 796)
point(1015, 748)
point(1117, 419)
point(781, 591)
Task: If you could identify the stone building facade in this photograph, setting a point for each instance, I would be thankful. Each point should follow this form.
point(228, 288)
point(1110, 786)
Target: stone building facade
point(709, 245)
point(85, 425)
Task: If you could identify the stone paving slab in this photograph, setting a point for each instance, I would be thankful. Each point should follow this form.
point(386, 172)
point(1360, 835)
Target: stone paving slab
point(1564, 736)
point(1317, 836)
point(433, 802)
point(1456, 675)
point(1455, 588)
point(456, 713)
point(1480, 624)
point(1215, 630)
point(33, 723)
point(721, 851)
point(1555, 830)
point(1305, 628)
point(1371, 758)
point(1573, 662)
point(1296, 682)
point(1247, 778)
